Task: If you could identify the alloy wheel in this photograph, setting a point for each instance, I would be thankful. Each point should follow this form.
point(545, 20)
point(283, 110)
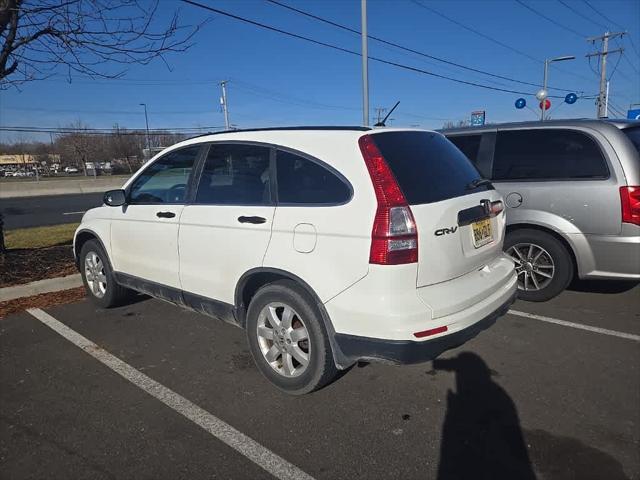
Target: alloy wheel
point(283, 339)
point(95, 274)
point(534, 266)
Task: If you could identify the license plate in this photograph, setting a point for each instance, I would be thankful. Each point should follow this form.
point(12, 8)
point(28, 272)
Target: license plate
point(482, 233)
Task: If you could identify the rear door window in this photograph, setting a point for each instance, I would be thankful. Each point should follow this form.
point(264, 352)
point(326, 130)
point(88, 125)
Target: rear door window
point(427, 166)
point(552, 154)
point(468, 144)
point(303, 181)
point(235, 174)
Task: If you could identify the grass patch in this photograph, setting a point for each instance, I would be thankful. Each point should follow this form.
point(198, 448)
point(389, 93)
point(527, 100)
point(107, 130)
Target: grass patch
point(38, 237)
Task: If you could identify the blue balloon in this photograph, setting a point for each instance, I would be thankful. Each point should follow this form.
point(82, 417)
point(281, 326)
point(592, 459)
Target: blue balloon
point(571, 98)
point(521, 103)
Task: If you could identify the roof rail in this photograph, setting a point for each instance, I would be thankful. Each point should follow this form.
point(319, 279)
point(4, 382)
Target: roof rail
point(269, 129)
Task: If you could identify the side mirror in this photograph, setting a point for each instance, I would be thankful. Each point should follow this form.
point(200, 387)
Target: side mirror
point(115, 198)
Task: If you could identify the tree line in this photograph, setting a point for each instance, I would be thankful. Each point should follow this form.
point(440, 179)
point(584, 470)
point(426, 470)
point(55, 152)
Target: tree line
point(126, 149)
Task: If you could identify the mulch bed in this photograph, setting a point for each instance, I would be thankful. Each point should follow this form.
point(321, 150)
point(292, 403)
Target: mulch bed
point(18, 266)
point(44, 300)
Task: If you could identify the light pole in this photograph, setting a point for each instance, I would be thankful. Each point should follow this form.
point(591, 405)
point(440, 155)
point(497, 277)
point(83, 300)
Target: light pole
point(365, 65)
point(543, 94)
point(146, 119)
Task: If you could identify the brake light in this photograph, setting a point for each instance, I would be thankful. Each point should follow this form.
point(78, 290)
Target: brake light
point(394, 238)
point(630, 201)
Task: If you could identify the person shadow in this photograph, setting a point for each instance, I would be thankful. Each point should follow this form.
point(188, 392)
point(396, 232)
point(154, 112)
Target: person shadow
point(481, 436)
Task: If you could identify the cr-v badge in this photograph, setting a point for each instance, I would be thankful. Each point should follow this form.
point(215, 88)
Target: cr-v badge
point(445, 231)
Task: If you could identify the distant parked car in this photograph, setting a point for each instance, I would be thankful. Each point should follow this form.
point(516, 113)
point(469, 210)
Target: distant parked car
point(572, 190)
point(71, 170)
point(328, 245)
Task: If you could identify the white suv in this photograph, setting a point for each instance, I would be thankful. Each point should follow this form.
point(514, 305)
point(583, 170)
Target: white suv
point(328, 245)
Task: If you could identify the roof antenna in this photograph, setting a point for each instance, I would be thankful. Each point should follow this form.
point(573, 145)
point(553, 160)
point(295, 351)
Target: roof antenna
point(382, 123)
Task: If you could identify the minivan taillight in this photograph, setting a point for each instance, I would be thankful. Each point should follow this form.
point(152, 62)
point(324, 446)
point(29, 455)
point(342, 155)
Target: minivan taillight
point(630, 201)
point(394, 237)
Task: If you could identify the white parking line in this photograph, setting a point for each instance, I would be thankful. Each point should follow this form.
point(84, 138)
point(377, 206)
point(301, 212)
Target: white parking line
point(602, 331)
point(258, 454)
point(74, 213)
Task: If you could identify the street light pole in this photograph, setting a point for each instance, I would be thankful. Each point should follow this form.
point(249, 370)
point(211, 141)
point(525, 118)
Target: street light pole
point(365, 65)
point(146, 119)
point(544, 89)
point(543, 94)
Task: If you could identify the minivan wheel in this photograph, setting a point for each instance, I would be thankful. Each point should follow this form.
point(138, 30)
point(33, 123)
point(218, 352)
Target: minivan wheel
point(98, 279)
point(543, 264)
point(288, 340)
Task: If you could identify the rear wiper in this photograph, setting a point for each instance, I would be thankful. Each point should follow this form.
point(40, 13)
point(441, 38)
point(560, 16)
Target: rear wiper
point(478, 182)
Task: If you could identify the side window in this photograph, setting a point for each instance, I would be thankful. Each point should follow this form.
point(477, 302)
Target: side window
point(302, 181)
point(546, 155)
point(468, 144)
point(235, 174)
point(166, 179)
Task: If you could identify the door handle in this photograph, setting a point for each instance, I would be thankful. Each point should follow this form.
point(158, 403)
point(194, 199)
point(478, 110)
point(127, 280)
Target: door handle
point(256, 220)
point(165, 214)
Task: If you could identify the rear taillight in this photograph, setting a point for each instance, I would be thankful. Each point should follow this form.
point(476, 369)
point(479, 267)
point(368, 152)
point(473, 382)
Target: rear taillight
point(394, 238)
point(630, 201)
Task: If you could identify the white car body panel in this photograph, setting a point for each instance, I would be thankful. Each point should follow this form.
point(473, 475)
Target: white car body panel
point(216, 250)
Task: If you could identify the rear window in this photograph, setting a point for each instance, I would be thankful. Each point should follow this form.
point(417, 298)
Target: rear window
point(427, 166)
point(468, 144)
point(547, 154)
point(633, 134)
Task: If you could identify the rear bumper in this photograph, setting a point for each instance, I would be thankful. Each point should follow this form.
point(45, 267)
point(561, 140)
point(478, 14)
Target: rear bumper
point(355, 348)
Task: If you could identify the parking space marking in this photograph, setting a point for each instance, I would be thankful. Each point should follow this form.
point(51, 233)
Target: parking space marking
point(602, 331)
point(246, 446)
point(74, 213)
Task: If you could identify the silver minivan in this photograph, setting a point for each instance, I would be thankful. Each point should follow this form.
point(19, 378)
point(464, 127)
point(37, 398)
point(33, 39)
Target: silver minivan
point(572, 188)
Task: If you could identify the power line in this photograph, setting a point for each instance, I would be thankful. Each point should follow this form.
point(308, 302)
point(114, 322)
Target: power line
point(407, 49)
point(110, 112)
point(582, 15)
point(106, 131)
point(549, 19)
point(491, 39)
point(352, 52)
point(611, 22)
point(629, 62)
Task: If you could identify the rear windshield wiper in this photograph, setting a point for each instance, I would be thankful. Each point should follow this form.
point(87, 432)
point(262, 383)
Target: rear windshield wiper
point(478, 182)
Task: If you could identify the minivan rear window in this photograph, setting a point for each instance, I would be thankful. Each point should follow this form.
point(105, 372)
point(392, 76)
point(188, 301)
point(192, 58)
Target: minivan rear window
point(427, 166)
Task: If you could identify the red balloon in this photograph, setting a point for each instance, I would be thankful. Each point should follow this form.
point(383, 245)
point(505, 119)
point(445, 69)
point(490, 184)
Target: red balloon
point(547, 104)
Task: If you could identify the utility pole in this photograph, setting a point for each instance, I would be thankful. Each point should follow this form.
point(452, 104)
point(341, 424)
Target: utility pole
point(146, 119)
point(365, 65)
point(223, 101)
point(602, 95)
point(380, 111)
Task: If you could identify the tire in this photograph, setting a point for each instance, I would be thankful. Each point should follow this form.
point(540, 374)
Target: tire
point(94, 267)
point(285, 348)
point(548, 257)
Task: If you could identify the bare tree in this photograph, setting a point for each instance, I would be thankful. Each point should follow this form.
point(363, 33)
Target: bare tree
point(85, 37)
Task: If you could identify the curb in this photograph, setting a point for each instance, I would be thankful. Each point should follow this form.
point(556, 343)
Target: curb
point(41, 286)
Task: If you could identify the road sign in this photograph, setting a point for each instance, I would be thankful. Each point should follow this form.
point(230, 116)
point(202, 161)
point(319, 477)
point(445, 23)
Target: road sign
point(633, 114)
point(477, 118)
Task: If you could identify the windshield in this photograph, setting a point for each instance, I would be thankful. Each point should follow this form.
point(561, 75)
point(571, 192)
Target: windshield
point(427, 166)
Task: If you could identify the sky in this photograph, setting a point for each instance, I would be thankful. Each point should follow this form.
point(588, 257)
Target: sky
point(276, 80)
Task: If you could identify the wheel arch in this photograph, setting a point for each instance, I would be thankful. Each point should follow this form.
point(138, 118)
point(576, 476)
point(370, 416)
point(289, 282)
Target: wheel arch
point(252, 280)
point(558, 236)
point(83, 236)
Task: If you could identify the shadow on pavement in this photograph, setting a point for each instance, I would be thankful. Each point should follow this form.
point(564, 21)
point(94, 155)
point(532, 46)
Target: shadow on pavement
point(602, 286)
point(482, 438)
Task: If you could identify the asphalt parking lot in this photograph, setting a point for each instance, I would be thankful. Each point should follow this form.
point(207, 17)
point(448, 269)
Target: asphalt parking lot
point(528, 398)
